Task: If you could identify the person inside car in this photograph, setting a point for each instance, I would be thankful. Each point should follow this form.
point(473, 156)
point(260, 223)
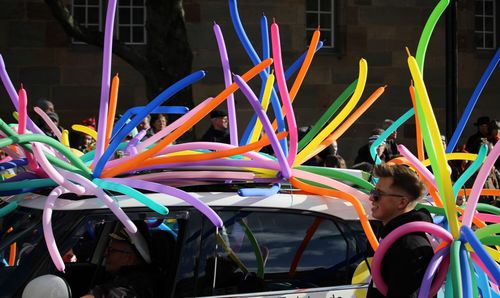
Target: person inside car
point(128, 262)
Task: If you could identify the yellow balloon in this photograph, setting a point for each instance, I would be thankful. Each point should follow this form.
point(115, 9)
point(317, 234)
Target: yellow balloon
point(85, 129)
point(454, 156)
point(65, 137)
point(362, 275)
point(265, 104)
point(363, 70)
point(15, 114)
point(442, 176)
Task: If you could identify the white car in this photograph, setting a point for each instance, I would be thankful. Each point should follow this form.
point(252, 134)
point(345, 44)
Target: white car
point(282, 245)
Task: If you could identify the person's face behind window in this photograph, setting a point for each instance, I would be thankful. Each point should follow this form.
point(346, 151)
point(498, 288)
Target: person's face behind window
point(118, 255)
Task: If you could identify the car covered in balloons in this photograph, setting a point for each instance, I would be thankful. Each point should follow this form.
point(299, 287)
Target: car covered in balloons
point(281, 244)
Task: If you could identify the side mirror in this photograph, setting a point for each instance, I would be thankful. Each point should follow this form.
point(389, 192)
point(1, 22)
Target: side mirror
point(48, 286)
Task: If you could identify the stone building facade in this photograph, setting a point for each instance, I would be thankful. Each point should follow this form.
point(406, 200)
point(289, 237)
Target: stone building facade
point(38, 54)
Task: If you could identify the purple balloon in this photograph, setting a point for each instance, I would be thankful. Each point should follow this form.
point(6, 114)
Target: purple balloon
point(254, 101)
point(431, 271)
point(226, 70)
point(106, 78)
point(22, 176)
point(156, 187)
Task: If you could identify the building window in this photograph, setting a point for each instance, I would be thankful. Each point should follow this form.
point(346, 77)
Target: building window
point(130, 19)
point(485, 24)
point(321, 13)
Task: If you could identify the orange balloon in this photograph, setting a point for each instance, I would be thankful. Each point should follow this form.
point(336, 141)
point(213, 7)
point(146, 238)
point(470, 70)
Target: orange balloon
point(138, 159)
point(347, 123)
point(363, 217)
point(158, 160)
point(113, 99)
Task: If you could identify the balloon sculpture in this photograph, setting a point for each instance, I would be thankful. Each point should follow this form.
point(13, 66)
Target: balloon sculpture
point(465, 259)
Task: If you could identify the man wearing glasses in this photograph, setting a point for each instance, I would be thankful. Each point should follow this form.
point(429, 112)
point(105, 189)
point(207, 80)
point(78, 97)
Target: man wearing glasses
point(127, 260)
point(393, 203)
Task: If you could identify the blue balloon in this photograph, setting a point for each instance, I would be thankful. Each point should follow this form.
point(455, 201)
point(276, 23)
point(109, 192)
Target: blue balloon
point(465, 272)
point(136, 110)
point(165, 95)
point(472, 102)
point(259, 192)
point(490, 264)
point(13, 164)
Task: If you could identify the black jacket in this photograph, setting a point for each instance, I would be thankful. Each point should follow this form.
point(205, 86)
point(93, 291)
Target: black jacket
point(214, 135)
point(139, 281)
point(405, 262)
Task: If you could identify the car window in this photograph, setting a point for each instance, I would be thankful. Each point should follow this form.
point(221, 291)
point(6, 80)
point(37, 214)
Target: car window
point(275, 250)
point(20, 234)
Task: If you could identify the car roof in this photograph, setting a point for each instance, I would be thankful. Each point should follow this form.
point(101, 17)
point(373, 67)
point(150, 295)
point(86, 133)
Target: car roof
point(300, 202)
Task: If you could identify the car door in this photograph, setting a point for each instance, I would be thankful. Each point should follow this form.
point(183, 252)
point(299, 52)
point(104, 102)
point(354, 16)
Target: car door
point(274, 252)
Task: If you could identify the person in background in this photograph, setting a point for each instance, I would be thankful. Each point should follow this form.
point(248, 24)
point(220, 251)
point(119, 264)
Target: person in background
point(45, 105)
point(391, 145)
point(45, 127)
point(364, 154)
point(145, 124)
point(393, 203)
point(474, 141)
point(158, 122)
point(218, 131)
point(335, 161)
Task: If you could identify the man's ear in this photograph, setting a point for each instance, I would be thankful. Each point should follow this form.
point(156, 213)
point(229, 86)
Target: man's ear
point(404, 202)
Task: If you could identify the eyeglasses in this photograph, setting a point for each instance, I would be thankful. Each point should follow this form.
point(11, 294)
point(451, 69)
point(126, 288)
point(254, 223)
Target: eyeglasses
point(113, 250)
point(377, 195)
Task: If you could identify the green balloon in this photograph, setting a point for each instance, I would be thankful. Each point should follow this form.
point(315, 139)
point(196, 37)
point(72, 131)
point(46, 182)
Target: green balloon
point(337, 174)
point(456, 279)
point(14, 138)
point(133, 193)
point(33, 183)
point(11, 206)
point(327, 115)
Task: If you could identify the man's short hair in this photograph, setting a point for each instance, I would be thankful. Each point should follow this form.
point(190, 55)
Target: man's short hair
point(217, 114)
point(403, 178)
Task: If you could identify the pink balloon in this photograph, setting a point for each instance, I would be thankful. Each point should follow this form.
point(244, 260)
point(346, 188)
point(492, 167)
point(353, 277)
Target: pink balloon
point(205, 175)
point(480, 263)
point(330, 182)
point(202, 146)
point(156, 187)
point(6, 159)
point(285, 96)
point(395, 235)
point(226, 70)
point(492, 218)
point(47, 228)
point(479, 183)
point(266, 124)
point(49, 122)
point(90, 187)
point(237, 163)
point(174, 125)
point(21, 128)
point(415, 162)
point(53, 173)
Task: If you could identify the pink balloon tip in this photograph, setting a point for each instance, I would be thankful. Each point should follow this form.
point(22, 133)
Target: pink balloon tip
point(274, 21)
